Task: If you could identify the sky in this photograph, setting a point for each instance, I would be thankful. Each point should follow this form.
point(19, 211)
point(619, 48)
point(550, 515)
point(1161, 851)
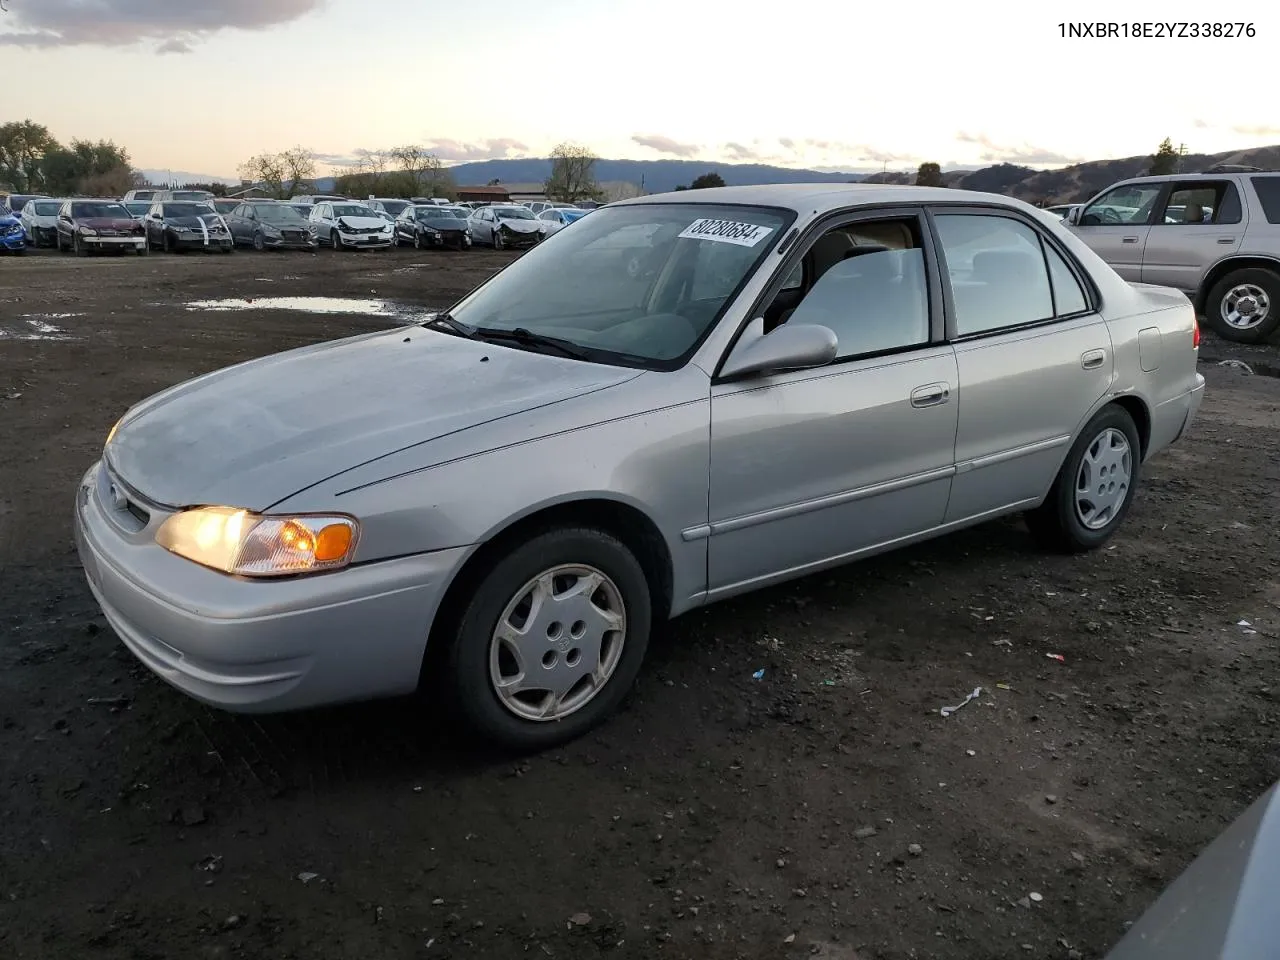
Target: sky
point(200, 85)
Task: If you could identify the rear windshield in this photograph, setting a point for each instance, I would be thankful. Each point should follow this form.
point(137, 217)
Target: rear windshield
point(1268, 190)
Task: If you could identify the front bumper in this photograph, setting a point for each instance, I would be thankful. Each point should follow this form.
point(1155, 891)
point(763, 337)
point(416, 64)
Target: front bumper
point(451, 238)
point(197, 241)
point(290, 243)
point(258, 646)
point(13, 242)
point(513, 239)
point(103, 243)
point(363, 240)
point(43, 236)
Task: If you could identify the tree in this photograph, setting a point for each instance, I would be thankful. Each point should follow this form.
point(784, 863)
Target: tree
point(1165, 159)
point(280, 174)
point(425, 172)
point(572, 174)
point(23, 145)
point(929, 175)
point(712, 179)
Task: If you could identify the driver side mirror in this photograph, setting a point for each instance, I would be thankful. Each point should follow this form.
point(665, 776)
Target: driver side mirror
point(1073, 215)
point(785, 348)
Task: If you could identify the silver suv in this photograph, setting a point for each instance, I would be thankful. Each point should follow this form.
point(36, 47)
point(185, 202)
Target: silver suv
point(1215, 236)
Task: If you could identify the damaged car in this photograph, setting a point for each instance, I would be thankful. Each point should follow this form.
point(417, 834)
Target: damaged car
point(347, 226)
point(40, 221)
point(269, 225)
point(13, 238)
point(429, 225)
point(88, 225)
point(179, 226)
point(506, 226)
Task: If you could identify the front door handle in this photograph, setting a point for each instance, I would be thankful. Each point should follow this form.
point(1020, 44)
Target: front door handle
point(1226, 239)
point(1128, 239)
point(1093, 359)
point(930, 395)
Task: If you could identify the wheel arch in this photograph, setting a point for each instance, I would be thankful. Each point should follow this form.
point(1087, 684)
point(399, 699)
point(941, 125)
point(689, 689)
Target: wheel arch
point(1228, 265)
point(622, 519)
point(1131, 403)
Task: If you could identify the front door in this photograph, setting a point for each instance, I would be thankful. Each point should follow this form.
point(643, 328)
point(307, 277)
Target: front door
point(1115, 225)
point(815, 466)
point(1200, 222)
point(1032, 353)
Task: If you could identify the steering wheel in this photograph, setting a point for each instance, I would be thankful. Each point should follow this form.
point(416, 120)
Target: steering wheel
point(1111, 215)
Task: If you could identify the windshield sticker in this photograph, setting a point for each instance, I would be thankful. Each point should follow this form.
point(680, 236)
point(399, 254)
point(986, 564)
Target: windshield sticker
point(726, 231)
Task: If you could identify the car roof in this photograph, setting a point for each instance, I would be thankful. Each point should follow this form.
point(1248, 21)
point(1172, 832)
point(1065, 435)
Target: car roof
point(820, 198)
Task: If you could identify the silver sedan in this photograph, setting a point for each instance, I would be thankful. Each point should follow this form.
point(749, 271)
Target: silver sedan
point(682, 399)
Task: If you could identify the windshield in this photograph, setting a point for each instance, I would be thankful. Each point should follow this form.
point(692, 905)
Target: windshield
point(45, 208)
point(638, 284)
point(352, 210)
point(191, 195)
point(434, 213)
point(188, 210)
point(278, 213)
point(91, 210)
point(571, 215)
point(138, 208)
point(458, 212)
point(514, 213)
point(395, 207)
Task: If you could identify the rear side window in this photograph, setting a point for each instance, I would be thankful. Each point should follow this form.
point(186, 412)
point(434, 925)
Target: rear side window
point(1067, 295)
point(1268, 190)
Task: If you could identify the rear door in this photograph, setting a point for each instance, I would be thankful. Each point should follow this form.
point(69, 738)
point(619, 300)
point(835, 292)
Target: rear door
point(1116, 223)
point(1198, 223)
point(1033, 355)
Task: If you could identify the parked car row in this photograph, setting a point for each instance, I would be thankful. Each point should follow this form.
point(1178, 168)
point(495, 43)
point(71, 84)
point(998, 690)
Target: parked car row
point(176, 224)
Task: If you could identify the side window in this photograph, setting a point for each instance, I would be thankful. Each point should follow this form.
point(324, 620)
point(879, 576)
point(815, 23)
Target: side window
point(1268, 191)
point(873, 295)
point(996, 270)
point(1199, 203)
point(1126, 204)
point(1068, 296)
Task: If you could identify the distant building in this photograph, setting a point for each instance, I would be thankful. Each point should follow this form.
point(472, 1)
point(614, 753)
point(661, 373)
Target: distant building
point(520, 192)
point(486, 194)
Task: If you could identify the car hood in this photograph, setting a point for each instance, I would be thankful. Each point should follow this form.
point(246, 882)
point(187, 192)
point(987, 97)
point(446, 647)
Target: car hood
point(210, 219)
point(444, 223)
point(363, 222)
point(1223, 906)
point(253, 434)
point(520, 226)
point(8, 220)
point(107, 223)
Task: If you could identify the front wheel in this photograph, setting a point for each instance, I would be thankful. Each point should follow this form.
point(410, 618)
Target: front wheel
point(78, 246)
point(143, 250)
point(1094, 489)
point(551, 640)
point(259, 243)
point(335, 239)
point(1244, 306)
point(497, 240)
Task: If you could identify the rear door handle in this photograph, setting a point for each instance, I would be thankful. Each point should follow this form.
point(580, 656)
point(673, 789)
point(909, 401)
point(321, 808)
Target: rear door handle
point(1226, 239)
point(930, 395)
point(1092, 359)
point(1128, 239)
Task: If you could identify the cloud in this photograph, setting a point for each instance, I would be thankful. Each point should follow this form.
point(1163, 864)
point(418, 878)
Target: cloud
point(175, 24)
point(1260, 131)
point(457, 151)
point(1026, 154)
point(738, 151)
point(666, 145)
point(787, 143)
point(1200, 124)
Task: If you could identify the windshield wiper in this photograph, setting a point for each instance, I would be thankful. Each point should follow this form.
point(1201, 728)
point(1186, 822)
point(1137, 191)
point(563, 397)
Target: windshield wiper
point(446, 321)
point(526, 337)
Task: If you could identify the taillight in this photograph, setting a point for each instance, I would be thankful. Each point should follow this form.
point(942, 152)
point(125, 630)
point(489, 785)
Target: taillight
point(1195, 335)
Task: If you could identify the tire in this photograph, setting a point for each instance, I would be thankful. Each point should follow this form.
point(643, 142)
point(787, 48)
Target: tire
point(497, 240)
point(78, 246)
point(1254, 289)
point(334, 240)
point(258, 243)
point(417, 240)
point(476, 657)
point(166, 244)
point(143, 250)
point(1062, 523)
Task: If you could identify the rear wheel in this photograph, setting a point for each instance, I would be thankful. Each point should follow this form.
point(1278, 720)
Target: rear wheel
point(1244, 306)
point(1094, 489)
point(551, 640)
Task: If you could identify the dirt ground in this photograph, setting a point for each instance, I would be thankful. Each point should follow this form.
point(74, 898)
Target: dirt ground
point(825, 810)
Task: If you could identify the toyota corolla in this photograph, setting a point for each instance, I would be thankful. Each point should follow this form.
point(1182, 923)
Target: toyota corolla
point(510, 497)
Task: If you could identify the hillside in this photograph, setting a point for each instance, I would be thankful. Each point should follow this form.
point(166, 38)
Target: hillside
point(1081, 181)
point(660, 176)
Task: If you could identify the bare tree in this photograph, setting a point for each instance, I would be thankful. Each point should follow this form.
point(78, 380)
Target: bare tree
point(299, 165)
point(572, 174)
point(421, 165)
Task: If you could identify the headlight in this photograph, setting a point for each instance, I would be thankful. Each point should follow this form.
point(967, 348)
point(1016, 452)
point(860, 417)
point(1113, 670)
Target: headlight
point(270, 230)
point(251, 545)
point(88, 232)
point(111, 434)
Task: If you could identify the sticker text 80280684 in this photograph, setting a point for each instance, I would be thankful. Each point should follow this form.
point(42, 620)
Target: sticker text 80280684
point(726, 231)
